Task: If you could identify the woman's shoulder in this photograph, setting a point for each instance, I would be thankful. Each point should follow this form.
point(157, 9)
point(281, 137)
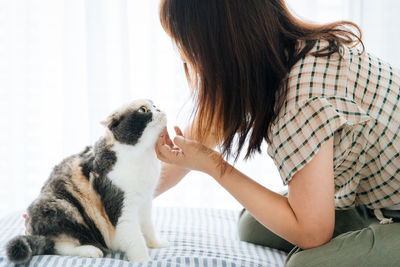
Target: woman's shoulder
point(317, 76)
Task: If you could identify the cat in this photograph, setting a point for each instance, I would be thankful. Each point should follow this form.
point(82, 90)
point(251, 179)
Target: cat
point(100, 199)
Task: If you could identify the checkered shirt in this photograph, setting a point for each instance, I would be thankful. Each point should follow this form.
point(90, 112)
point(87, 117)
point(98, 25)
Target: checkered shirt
point(353, 98)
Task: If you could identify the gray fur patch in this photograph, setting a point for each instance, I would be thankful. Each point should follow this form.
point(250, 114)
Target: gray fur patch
point(104, 158)
point(129, 127)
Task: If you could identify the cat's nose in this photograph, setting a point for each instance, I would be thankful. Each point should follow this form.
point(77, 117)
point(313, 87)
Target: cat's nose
point(157, 109)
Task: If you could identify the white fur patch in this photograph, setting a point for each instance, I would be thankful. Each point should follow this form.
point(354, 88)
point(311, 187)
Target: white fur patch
point(71, 249)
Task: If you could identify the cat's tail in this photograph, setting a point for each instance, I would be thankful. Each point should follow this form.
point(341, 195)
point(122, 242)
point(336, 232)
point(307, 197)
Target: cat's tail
point(21, 248)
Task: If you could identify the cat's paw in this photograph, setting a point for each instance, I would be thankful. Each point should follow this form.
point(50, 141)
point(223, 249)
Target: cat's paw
point(159, 243)
point(386, 221)
point(90, 252)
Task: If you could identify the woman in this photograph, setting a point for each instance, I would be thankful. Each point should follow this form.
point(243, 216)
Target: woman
point(327, 109)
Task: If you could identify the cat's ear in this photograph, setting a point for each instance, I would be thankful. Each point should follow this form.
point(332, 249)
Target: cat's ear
point(109, 137)
point(112, 121)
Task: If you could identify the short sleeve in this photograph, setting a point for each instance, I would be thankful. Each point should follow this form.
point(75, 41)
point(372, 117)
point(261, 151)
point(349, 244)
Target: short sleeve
point(297, 135)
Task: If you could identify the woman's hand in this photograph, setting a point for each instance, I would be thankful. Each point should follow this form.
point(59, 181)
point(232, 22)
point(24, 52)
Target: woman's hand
point(186, 153)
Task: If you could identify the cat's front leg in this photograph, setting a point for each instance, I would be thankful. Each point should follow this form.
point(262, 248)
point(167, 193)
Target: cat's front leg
point(129, 239)
point(147, 227)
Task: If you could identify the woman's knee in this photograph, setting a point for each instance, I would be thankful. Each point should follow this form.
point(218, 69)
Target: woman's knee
point(376, 245)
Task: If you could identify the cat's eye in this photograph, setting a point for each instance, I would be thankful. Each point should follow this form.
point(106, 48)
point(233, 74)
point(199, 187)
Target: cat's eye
point(143, 109)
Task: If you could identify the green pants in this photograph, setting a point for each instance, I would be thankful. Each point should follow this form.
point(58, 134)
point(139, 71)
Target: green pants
point(358, 240)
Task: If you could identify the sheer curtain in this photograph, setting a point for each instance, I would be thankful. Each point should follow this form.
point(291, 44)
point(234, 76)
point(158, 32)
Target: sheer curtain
point(379, 21)
point(65, 64)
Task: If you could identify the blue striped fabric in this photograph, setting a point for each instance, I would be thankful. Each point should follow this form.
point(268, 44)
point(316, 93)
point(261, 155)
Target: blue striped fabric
point(198, 237)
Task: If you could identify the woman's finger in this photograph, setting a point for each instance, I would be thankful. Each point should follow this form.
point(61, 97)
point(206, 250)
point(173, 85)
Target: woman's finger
point(163, 153)
point(178, 131)
point(171, 155)
point(160, 140)
point(167, 139)
point(158, 152)
point(160, 143)
point(180, 141)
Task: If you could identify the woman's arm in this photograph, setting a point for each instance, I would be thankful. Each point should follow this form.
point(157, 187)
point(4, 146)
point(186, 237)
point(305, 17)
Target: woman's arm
point(304, 218)
point(171, 175)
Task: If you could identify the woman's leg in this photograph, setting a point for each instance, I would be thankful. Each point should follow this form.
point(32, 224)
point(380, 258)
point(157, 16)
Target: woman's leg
point(357, 232)
point(373, 244)
point(250, 230)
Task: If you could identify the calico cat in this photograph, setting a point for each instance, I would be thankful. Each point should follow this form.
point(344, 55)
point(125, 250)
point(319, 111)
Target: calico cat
point(100, 199)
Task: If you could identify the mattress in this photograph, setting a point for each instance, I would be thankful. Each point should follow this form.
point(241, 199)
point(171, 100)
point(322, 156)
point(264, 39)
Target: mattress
point(197, 237)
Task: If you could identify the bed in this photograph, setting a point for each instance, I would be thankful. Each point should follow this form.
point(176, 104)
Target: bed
point(197, 237)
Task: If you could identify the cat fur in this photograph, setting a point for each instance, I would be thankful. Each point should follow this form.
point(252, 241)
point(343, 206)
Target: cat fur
point(100, 199)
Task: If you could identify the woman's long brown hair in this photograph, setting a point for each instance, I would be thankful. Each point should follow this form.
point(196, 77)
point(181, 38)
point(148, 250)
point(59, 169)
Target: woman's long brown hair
point(237, 56)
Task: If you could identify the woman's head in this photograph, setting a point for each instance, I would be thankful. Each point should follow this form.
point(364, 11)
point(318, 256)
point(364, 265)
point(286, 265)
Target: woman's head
point(237, 54)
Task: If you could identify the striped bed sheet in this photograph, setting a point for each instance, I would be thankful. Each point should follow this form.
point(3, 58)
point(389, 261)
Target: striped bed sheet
point(197, 237)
